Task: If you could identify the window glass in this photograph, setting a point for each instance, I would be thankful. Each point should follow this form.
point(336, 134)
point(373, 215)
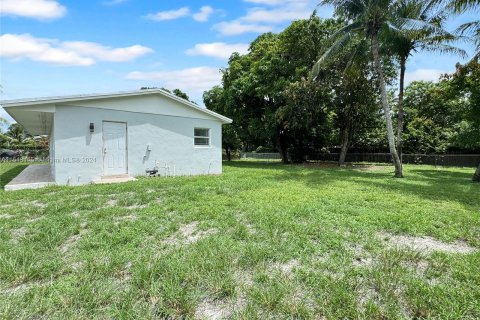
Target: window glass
point(202, 136)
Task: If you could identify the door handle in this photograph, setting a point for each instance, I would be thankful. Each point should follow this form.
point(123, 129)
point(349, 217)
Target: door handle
point(104, 150)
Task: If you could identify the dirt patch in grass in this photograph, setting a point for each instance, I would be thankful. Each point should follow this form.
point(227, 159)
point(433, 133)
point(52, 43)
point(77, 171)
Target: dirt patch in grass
point(35, 219)
point(189, 233)
point(38, 204)
point(213, 309)
point(136, 206)
point(243, 278)
point(124, 275)
point(286, 268)
point(77, 265)
point(71, 241)
point(425, 244)
point(23, 287)
point(110, 203)
point(361, 257)
point(75, 214)
point(18, 234)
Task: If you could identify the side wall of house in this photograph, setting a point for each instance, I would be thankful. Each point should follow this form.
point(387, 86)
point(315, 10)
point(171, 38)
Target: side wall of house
point(79, 153)
point(51, 145)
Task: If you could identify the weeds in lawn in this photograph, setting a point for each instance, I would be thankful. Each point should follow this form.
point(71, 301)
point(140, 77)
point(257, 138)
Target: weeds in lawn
point(260, 241)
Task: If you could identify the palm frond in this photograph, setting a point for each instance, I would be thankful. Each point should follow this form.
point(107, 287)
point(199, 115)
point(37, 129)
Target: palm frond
point(330, 54)
point(356, 54)
point(460, 6)
point(472, 29)
point(414, 25)
point(445, 49)
point(469, 27)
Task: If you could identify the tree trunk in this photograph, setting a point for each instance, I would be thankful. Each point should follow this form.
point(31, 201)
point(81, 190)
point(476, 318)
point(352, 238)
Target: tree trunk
point(229, 154)
point(401, 112)
point(282, 147)
point(476, 176)
point(386, 108)
point(346, 140)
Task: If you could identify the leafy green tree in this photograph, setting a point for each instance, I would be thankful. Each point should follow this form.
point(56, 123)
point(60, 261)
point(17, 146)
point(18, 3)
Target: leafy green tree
point(431, 37)
point(179, 93)
point(466, 81)
point(16, 133)
point(255, 84)
point(3, 121)
point(355, 101)
point(3, 138)
point(369, 20)
point(432, 114)
point(214, 100)
point(305, 117)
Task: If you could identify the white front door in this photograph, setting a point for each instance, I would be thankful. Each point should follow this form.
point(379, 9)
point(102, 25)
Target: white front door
point(114, 148)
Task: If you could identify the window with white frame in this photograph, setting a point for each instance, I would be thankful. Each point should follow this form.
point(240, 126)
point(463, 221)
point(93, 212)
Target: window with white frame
point(201, 136)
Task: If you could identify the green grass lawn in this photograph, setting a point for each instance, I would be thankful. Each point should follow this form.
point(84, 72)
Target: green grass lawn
point(261, 241)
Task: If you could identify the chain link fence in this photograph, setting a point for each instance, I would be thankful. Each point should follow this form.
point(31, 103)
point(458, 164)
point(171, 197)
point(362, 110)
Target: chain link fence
point(453, 160)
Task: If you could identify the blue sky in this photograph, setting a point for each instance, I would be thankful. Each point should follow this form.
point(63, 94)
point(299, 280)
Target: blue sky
point(60, 47)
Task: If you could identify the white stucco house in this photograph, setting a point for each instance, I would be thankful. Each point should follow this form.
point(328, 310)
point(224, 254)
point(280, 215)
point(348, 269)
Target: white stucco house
point(103, 137)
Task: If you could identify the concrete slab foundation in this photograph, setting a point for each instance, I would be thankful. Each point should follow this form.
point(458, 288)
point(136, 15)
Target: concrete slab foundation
point(33, 177)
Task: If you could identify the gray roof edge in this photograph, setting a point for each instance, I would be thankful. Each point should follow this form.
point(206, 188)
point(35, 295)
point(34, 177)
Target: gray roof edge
point(80, 97)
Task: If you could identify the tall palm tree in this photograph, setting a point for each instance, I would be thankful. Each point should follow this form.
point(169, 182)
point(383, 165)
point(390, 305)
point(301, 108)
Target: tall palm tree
point(434, 38)
point(370, 19)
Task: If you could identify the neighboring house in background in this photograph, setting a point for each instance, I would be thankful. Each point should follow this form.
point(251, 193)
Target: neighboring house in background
point(103, 137)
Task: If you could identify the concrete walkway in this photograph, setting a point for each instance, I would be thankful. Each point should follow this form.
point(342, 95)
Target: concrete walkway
point(34, 176)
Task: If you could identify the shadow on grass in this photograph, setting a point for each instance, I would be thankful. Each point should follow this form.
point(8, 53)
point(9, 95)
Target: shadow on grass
point(9, 174)
point(444, 184)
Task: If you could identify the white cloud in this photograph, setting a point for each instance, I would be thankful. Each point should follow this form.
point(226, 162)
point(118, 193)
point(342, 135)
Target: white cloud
point(169, 15)
point(263, 19)
point(218, 50)
point(70, 53)
point(100, 52)
point(232, 28)
point(114, 2)
point(424, 75)
point(277, 15)
point(38, 9)
point(266, 2)
point(191, 80)
point(204, 14)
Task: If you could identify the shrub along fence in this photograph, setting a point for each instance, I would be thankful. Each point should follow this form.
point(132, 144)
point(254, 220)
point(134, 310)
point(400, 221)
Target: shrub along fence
point(454, 160)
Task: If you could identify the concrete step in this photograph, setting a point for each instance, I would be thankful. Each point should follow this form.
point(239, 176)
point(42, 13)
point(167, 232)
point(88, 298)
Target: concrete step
point(118, 178)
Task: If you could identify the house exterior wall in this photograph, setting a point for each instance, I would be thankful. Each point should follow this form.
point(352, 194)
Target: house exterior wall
point(51, 145)
point(79, 153)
